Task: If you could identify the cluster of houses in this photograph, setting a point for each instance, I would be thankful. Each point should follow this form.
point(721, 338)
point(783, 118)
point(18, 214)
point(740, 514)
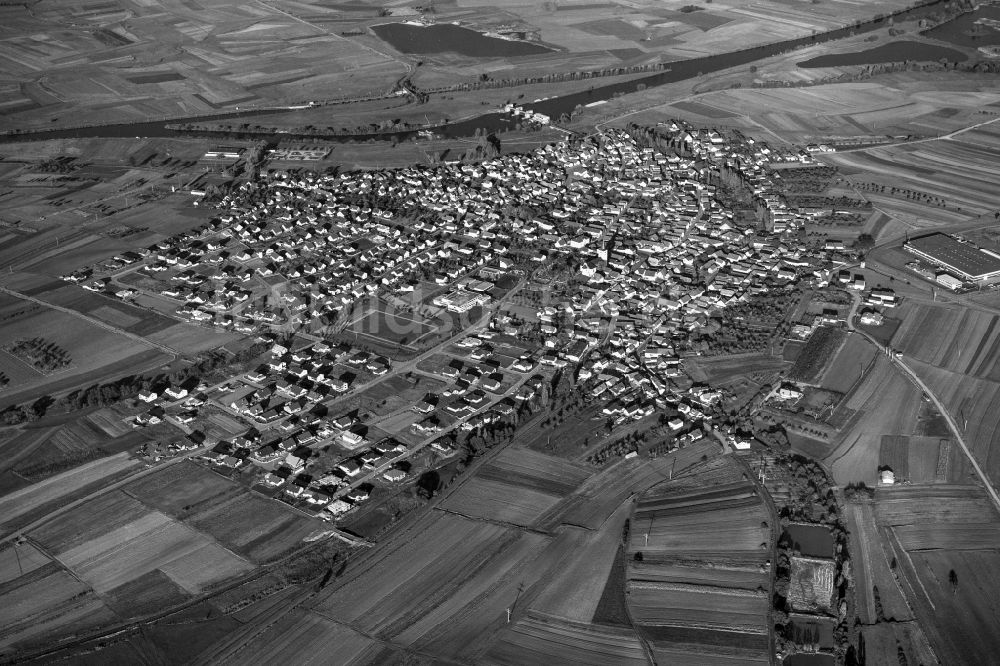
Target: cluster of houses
point(654, 252)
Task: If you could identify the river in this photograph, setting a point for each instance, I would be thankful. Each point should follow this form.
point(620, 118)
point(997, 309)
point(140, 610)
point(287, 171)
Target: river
point(678, 71)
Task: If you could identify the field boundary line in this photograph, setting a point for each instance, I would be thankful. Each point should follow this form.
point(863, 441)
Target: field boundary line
point(493, 521)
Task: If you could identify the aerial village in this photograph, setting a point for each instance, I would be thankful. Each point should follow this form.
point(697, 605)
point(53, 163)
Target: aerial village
point(405, 306)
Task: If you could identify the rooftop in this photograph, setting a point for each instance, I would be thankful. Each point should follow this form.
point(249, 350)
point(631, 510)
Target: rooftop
point(963, 257)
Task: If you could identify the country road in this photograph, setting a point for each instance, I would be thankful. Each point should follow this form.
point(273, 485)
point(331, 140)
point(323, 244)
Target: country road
point(952, 424)
point(954, 428)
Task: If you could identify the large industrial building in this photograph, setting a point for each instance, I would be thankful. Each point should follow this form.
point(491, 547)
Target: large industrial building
point(965, 260)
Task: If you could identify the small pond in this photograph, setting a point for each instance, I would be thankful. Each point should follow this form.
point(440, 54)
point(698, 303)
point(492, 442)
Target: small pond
point(972, 29)
point(812, 540)
point(891, 52)
point(818, 631)
point(809, 659)
point(442, 37)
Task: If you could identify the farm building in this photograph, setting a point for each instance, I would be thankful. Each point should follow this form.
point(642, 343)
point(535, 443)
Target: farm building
point(964, 259)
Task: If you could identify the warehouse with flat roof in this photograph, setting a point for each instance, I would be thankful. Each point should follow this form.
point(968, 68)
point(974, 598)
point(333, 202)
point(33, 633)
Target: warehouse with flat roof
point(964, 259)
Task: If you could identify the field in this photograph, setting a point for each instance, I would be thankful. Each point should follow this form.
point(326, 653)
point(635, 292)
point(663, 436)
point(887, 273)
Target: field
point(114, 540)
point(45, 603)
point(899, 103)
point(847, 366)
point(697, 551)
point(973, 403)
point(920, 459)
point(256, 528)
point(20, 506)
point(872, 568)
point(216, 63)
point(957, 339)
point(153, 543)
point(885, 403)
point(811, 587)
point(408, 589)
point(959, 187)
point(817, 353)
point(517, 487)
point(945, 541)
point(540, 639)
point(439, 588)
point(93, 350)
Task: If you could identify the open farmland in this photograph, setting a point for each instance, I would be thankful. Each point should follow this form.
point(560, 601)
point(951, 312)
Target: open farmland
point(256, 528)
point(307, 632)
point(899, 103)
point(918, 459)
point(45, 603)
point(409, 587)
point(885, 403)
point(945, 541)
point(114, 539)
point(871, 566)
point(960, 185)
point(20, 506)
point(600, 495)
point(848, 365)
point(518, 486)
point(539, 639)
point(814, 357)
point(698, 547)
point(95, 352)
point(188, 61)
point(953, 338)
point(974, 404)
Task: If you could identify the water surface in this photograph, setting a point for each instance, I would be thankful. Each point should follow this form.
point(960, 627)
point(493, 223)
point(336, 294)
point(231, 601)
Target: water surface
point(447, 37)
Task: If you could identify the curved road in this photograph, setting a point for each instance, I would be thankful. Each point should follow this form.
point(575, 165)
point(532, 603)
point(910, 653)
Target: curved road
point(952, 424)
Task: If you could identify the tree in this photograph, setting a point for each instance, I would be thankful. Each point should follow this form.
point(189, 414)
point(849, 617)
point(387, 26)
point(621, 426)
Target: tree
point(953, 579)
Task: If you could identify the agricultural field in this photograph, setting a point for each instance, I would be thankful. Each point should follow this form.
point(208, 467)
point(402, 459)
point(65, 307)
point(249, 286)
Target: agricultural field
point(923, 459)
point(884, 403)
point(811, 586)
point(257, 529)
point(153, 543)
point(846, 368)
point(944, 540)
point(411, 588)
point(114, 540)
point(871, 565)
point(518, 486)
point(957, 339)
point(719, 370)
point(698, 547)
point(189, 62)
point(974, 404)
point(958, 188)
point(22, 505)
point(599, 496)
point(45, 603)
point(900, 103)
point(821, 347)
point(95, 352)
point(540, 639)
point(308, 632)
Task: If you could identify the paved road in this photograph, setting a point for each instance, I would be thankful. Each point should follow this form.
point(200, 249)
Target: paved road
point(96, 322)
point(949, 135)
point(954, 429)
point(952, 424)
